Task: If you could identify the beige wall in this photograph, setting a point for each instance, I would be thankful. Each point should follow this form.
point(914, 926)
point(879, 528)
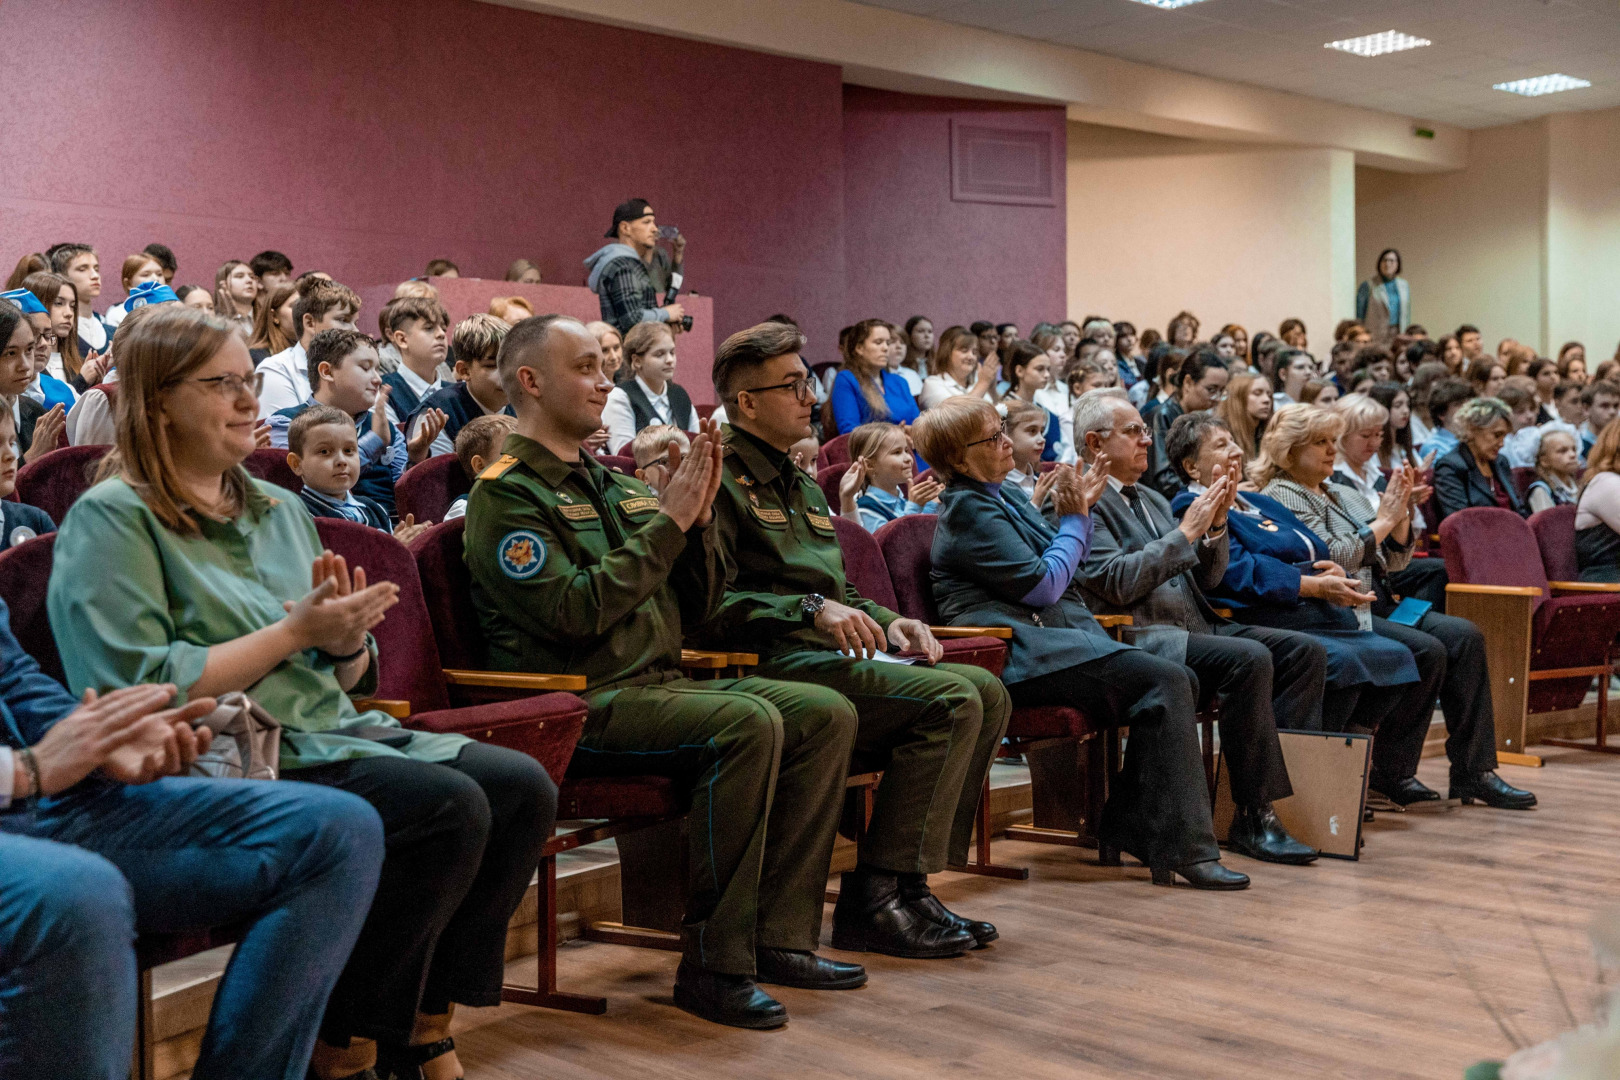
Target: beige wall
point(1524, 243)
point(1583, 232)
point(1231, 233)
point(1472, 242)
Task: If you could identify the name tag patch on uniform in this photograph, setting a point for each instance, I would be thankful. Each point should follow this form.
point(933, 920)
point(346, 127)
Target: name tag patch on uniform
point(521, 554)
point(578, 513)
point(819, 522)
point(770, 515)
point(640, 505)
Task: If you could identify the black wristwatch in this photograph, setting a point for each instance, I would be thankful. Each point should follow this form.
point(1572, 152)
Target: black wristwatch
point(811, 605)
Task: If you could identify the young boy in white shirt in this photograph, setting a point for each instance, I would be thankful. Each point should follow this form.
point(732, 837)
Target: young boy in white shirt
point(323, 305)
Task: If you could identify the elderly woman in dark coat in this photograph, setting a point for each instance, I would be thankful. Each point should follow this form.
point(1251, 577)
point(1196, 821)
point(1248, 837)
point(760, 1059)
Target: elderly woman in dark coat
point(1476, 473)
point(997, 562)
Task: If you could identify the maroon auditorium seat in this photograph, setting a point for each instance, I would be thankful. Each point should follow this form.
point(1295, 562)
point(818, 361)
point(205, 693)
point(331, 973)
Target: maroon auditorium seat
point(25, 571)
point(834, 451)
point(1554, 530)
point(270, 465)
point(829, 478)
point(619, 463)
point(54, 482)
point(427, 489)
point(1498, 581)
point(613, 806)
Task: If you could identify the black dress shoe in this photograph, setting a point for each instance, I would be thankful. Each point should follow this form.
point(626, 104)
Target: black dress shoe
point(1257, 833)
point(872, 916)
point(1491, 790)
point(805, 970)
point(1404, 792)
point(922, 899)
point(733, 1000)
point(1203, 875)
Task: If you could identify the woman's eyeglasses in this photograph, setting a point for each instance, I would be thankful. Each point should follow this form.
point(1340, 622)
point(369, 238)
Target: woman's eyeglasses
point(801, 389)
point(996, 438)
point(228, 386)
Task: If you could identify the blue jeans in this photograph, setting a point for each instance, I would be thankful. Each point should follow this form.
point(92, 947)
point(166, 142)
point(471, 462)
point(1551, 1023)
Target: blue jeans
point(298, 860)
point(67, 927)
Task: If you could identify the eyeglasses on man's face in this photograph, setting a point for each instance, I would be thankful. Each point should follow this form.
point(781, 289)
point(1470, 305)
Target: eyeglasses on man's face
point(801, 389)
point(1136, 431)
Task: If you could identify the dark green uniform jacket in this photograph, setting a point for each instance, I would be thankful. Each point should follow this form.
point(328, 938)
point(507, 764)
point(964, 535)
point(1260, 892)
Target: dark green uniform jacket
point(775, 532)
point(574, 567)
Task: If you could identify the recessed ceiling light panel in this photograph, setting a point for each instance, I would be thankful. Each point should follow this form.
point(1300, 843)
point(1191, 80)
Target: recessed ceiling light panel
point(1542, 84)
point(1379, 44)
point(1169, 4)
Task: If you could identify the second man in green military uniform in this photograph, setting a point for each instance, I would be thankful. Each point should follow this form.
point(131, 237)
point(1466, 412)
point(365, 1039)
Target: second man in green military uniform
point(932, 728)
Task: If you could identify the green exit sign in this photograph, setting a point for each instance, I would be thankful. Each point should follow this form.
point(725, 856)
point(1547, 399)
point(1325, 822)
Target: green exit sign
point(1423, 133)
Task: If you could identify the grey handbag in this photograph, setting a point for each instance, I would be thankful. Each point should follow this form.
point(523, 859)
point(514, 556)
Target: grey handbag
point(247, 741)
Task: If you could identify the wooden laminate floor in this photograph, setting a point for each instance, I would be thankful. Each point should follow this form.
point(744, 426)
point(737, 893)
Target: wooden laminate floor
point(1336, 970)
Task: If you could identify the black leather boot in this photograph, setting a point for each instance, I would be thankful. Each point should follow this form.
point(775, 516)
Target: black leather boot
point(1257, 833)
point(805, 970)
point(733, 1000)
point(1209, 874)
point(1491, 790)
point(1403, 792)
point(872, 916)
point(916, 893)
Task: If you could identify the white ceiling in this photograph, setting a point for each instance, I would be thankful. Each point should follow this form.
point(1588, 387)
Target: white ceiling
point(1278, 44)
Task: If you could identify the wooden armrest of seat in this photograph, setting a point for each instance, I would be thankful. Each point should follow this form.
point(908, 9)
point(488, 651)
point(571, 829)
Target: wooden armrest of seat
point(399, 710)
point(513, 680)
point(1109, 621)
point(1223, 612)
point(1584, 586)
point(1495, 590)
point(742, 659)
point(703, 660)
point(1002, 632)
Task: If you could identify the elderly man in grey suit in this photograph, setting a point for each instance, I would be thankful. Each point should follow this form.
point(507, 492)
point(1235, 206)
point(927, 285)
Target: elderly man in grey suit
point(1145, 564)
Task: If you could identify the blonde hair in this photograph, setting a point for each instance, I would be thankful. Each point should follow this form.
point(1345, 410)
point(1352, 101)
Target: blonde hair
point(420, 289)
point(873, 438)
point(1291, 428)
point(1233, 410)
point(518, 268)
point(1360, 411)
point(157, 348)
point(641, 339)
point(502, 308)
point(1543, 471)
point(478, 337)
point(655, 439)
point(941, 433)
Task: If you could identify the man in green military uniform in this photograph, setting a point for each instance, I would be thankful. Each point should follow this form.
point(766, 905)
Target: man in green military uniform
point(933, 728)
point(572, 569)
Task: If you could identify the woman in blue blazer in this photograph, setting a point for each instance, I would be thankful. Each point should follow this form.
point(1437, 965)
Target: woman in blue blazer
point(1279, 575)
point(865, 390)
point(997, 562)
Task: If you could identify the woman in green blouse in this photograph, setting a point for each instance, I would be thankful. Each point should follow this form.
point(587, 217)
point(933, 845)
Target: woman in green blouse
point(178, 567)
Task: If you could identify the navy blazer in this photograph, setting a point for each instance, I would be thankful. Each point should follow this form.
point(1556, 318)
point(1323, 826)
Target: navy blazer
point(16, 515)
point(1459, 485)
point(986, 559)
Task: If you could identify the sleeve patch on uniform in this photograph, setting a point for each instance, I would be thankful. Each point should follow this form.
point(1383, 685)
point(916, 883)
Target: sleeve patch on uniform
point(499, 468)
point(521, 554)
point(640, 505)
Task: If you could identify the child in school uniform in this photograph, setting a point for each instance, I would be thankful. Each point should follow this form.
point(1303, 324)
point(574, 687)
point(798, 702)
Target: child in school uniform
point(879, 463)
point(477, 389)
point(477, 445)
point(323, 448)
point(650, 448)
point(18, 521)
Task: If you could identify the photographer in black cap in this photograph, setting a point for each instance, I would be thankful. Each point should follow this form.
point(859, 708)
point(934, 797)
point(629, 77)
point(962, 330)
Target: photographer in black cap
point(618, 272)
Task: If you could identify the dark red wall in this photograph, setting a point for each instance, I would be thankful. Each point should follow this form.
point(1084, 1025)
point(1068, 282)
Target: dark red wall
point(912, 250)
point(368, 136)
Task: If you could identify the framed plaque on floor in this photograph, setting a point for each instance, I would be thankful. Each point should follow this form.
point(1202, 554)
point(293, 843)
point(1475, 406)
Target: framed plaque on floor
point(1328, 771)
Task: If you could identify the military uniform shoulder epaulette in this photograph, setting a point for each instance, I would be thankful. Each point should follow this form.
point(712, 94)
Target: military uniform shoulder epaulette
point(499, 468)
